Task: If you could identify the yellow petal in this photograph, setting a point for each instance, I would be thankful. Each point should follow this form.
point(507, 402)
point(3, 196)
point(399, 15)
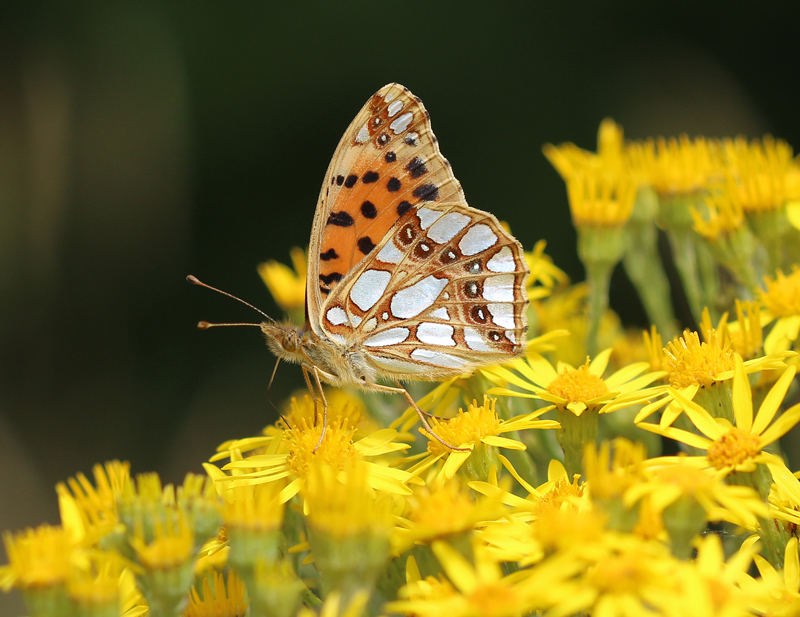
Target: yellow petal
point(773, 400)
point(742, 397)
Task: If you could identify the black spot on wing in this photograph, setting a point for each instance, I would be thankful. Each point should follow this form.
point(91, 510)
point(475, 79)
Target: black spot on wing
point(403, 207)
point(328, 255)
point(416, 167)
point(323, 290)
point(339, 180)
point(333, 277)
point(365, 244)
point(340, 219)
point(393, 185)
point(369, 210)
point(390, 157)
point(370, 177)
point(350, 182)
point(426, 192)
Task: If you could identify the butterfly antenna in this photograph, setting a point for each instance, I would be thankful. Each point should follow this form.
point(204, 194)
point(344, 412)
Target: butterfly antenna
point(204, 324)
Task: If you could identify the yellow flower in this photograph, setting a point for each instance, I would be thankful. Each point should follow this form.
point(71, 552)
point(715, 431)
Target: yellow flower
point(286, 286)
point(710, 585)
point(442, 510)
point(477, 432)
point(736, 447)
point(94, 585)
point(679, 166)
point(757, 172)
point(696, 367)
point(89, 512)
point(721, 217)
point(784, 584)
point(171, 545)
point(288, 458)
point(781, 302)
point(667, 481)
point(219, 599)
point(481, 590)
point(577, 389)
point(37, 558)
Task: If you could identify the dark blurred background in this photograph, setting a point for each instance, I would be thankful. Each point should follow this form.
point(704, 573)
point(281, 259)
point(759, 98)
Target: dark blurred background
point(140, 142)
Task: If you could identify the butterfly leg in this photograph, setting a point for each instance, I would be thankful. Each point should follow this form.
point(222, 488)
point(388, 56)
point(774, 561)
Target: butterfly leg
point(318, 381)
point(313, 392)
point(420, 413)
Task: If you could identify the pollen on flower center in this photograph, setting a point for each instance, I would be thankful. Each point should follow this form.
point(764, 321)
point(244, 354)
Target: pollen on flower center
point(691, 362)
point(336, 448)
point(578, 385)
point(467, 427)
point(733, 448)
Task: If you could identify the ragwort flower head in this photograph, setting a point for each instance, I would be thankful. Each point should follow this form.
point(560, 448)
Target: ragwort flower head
point(737, 447)
point(288, 458)
point(575, 390)
point(781, 301)
point(478, 433)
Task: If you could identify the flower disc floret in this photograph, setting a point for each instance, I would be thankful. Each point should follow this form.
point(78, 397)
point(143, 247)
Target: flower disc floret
point(733, 448)
point(336, 449)
point(578, 385)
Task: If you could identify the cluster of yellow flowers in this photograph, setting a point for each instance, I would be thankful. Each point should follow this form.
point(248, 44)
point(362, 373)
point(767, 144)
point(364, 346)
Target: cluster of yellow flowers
point(603, 473)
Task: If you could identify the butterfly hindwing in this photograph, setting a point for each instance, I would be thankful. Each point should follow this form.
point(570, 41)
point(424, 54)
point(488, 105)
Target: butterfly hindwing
point(387, 163)
point(443, 292)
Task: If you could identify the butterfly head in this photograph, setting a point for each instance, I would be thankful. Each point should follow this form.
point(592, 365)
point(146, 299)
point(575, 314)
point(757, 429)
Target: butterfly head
point(284, 340)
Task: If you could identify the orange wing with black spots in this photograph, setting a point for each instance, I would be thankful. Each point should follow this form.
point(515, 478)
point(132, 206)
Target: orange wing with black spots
point(387, 163)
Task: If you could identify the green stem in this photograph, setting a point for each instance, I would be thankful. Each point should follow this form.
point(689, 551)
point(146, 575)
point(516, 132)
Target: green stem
point(574, 434)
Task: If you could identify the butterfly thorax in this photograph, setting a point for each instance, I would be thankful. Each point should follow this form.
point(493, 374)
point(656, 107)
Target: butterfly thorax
point(347, 364)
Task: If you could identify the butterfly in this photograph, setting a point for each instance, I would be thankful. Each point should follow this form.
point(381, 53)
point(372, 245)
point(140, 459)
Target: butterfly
point(405, 280)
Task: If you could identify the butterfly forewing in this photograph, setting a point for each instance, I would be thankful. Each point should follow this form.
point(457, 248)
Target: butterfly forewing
point(387, 163)
point(443, 292)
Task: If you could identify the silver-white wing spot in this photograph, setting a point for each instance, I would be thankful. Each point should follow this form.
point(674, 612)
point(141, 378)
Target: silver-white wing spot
point(438, 358)
point(441, 313)
point(371, 324)
point(393, 108)
point(446, 228)
point(502, 314)
point(369, 288)
point(363, 135)
point(477, 239)
point(427, 217)
point(401, 123)
point(389, 254)
point(337, 316)
point(511, 336)
point(436, 334)
point(392, 336)
point(499, 288)
point(411, 301)
point(503, 261)
point(474, 340)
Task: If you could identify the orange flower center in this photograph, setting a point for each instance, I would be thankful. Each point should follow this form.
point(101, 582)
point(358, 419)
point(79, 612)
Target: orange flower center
point(733, 448)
